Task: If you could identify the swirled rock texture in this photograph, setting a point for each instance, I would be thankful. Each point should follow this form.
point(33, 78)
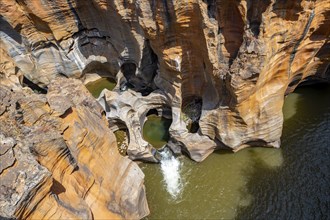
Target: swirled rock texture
point(59, 159)
point(222, 67)
point(238, 58)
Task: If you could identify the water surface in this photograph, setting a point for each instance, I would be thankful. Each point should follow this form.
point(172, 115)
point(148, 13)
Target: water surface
point(97, 86)
point(257, 183)
point(155, 130)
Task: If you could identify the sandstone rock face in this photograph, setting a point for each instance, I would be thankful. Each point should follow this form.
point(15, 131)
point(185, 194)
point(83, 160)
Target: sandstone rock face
point(236, 58)
point(59, 158)
point(240, 58)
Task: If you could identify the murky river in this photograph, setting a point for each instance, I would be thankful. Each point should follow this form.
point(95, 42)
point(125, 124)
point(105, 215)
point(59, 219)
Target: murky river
point(97, 86)
point(256, 183)
point(155, 130)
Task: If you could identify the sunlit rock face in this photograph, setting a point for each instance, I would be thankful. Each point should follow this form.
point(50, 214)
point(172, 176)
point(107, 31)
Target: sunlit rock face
point(223, 66)
point(59, 159)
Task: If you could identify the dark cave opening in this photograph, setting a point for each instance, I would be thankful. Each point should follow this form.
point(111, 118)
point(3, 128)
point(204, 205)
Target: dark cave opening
point(128, 69)
point(141, 79)
point(254, 26)
point(254, 14)
point(295, 80)
point(37, 89)
point(293, 84)
point(211, 8)
point(57, 188)
point(152, 112)
point(191, 111)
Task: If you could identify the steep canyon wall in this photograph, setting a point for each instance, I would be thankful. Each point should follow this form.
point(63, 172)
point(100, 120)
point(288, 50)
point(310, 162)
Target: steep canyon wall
point(223, 65)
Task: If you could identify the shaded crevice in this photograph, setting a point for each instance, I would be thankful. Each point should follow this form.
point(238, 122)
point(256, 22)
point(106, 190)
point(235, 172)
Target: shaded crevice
point(254, 26)
point(231, 25)
point(19, 113)
point(254, 14)
point(13, 33)
point(128, 69)
point(211, 8)
point(57, 188)
point(152, 112)
point(191, 112)
point(43, 45)
point(40, 24)
point(68, 112)
point(294, 82)
point(86, 42)
point(257, 143)
point(312, 80)
point(75, 13)
point(194, 127)
point(167, 12)
point(149, 64)
point(33, 86)
point(148, 70)
point(141, 79)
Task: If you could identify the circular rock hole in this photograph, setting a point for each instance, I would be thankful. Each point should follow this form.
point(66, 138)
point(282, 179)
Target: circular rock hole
point(156, 129)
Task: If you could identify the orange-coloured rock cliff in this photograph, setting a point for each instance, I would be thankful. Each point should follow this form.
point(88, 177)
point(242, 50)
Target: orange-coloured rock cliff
point(59, 159)
point(223, 66)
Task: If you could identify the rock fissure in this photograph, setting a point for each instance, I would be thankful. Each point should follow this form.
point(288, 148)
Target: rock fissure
point(306, 29)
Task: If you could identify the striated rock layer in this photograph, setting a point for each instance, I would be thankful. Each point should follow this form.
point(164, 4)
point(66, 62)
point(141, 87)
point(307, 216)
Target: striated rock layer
point(219, 68)
point(238, 58)
point(59, 159)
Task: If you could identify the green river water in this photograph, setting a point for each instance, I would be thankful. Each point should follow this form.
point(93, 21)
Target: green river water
point(155, 130)
point(292, 182)
point(97, 86)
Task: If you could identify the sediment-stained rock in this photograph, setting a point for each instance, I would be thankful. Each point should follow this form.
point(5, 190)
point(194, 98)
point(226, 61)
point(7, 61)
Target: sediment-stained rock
point(59, 158)
point(238, 58)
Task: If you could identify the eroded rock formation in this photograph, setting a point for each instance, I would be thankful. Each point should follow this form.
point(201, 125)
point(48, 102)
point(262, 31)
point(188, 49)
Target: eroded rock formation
point(239, 57)
point(236, 58)
point(59, 159)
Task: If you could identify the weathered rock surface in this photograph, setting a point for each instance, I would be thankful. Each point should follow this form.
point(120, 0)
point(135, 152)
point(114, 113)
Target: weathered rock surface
point(239, 58)
point(59, 159)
